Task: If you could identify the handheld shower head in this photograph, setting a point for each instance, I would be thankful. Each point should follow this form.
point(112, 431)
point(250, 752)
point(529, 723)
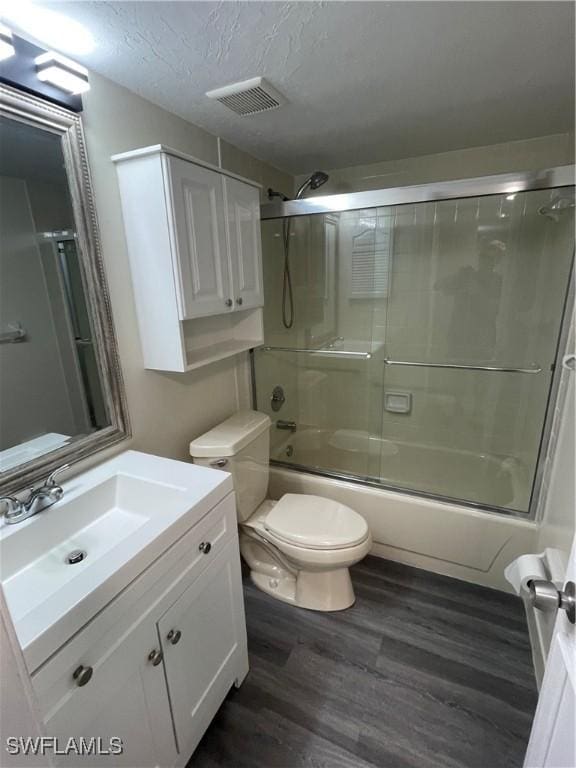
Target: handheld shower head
point(314, 181)
point(317, 179)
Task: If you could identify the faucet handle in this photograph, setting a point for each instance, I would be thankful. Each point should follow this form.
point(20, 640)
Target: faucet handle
point(10, 506)
point(50, 481)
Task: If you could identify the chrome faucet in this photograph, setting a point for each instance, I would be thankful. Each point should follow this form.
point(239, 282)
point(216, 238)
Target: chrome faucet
point(42, 497)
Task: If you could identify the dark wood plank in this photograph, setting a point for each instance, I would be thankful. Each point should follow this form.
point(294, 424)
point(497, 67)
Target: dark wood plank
point(423, 671)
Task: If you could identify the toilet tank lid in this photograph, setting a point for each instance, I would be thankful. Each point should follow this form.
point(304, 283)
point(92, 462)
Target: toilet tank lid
point(229, 437)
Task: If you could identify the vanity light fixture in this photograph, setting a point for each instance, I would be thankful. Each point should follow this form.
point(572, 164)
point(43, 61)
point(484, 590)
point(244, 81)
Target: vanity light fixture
point(62, 72)
point(6, 43)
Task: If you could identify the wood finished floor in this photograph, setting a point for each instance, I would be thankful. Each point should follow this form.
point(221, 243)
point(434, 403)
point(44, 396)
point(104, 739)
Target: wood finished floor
point(422, 672)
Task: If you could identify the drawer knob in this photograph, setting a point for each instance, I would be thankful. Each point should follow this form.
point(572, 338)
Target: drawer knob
point(228, 302)
point(155, 657)
point(174, 636)
point(239, 301)
point(82, 675)
point(205, 547)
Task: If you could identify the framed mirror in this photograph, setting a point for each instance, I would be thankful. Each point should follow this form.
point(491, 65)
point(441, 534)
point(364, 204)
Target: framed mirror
point(61, 391)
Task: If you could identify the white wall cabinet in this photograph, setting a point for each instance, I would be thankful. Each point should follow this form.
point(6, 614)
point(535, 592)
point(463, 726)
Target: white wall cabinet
point(193, 236)
point(159, 660)
point(200, 240)
point(243, 208)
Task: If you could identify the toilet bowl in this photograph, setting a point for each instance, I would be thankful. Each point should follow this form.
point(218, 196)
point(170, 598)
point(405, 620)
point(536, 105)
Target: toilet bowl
point(299, 549)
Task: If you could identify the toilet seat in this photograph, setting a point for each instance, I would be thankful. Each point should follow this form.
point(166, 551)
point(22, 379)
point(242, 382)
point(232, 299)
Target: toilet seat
point(314, 522)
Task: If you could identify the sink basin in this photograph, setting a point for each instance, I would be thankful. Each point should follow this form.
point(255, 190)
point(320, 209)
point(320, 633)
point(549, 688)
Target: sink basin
point(63, 565)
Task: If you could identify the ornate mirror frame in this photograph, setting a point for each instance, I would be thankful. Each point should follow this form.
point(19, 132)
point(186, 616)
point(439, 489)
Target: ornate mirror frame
point(16, 105)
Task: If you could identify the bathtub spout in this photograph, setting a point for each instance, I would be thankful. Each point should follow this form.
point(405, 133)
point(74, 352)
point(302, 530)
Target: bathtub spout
point(290, 425)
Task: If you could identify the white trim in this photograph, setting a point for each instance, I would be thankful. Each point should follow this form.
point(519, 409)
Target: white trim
point(162, 148)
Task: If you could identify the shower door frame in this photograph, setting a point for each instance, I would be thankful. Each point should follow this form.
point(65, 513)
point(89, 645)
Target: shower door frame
point(481, 186)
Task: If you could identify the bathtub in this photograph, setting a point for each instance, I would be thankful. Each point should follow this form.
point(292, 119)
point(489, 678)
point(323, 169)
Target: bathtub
point(487, 480)
point(442, 536)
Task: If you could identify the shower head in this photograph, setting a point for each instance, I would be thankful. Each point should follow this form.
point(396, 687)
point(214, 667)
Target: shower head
point(556, 207)
point(316, 180)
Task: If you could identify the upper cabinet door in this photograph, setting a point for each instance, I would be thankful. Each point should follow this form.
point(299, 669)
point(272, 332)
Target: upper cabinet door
point(243, 207)
point(199, 239)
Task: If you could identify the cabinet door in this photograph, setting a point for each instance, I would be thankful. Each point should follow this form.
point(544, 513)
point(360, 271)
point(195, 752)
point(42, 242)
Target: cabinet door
point(243, 207)
point(126, 698)
point(204, 641)
point(199, 238)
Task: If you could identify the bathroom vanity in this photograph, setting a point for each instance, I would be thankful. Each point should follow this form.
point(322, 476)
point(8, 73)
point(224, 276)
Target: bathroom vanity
point(141, 636)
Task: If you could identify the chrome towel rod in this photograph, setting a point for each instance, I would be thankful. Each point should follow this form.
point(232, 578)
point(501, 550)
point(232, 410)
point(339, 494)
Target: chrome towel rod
point(534, 369)
point(330, 352)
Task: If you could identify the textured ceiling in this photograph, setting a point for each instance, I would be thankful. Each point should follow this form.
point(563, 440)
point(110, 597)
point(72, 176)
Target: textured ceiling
point(365, 81)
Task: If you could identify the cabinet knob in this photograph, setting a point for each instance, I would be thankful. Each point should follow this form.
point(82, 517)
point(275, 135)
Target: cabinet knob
point(155, 657)
point(228, 302)
point(174, 636)
point(239, 301)
point(205, 547)
point(82, 675)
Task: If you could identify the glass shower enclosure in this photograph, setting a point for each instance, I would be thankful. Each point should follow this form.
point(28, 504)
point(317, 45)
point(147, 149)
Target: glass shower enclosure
point(425, 338)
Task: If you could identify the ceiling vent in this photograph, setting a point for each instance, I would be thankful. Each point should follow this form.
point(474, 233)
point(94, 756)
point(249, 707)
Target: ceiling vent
point(248, 97)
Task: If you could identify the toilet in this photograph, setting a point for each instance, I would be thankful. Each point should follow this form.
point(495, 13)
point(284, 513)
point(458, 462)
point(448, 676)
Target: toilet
point(299, 549)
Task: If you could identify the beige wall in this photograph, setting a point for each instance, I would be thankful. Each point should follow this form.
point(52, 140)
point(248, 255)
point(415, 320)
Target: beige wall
point(525, 155)
point(166, 410)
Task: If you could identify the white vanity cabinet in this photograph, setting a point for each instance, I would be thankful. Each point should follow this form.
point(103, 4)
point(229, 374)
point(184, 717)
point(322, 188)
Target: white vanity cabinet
point(193, 236)
point(125, 698)
point(200, 635)
point(154, 666)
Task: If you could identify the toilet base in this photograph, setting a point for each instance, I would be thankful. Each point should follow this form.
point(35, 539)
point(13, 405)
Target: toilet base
point(316, 591)
point(315, 588)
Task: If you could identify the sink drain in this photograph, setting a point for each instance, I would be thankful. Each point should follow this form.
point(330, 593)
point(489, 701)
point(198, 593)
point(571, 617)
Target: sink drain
point(76, 556)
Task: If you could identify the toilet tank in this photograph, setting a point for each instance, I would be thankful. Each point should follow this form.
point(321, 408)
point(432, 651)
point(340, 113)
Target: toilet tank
point(240, 445)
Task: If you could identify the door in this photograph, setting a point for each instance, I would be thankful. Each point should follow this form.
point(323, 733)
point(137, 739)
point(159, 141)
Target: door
point(201, 636)
point(552, 742)
point(199, 239)
point(126, 698)
point(243, 209)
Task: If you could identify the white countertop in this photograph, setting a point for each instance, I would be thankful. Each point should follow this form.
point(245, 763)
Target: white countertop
point(124, 513)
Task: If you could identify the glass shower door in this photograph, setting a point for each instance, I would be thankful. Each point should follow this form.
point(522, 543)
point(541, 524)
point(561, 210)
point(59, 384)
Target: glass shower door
point(472, 325)
point(423, 342)
point(329, 363)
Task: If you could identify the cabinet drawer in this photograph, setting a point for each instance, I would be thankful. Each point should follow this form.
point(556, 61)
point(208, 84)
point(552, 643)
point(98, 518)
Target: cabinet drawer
point(150, 595)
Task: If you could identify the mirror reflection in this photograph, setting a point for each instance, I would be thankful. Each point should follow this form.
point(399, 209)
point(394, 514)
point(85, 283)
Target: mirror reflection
point(50, 386)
